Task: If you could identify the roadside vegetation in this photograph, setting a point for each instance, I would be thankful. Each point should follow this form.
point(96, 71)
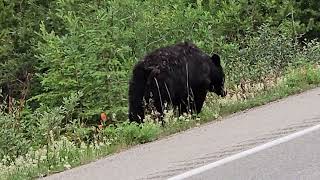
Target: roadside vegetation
point(65, 67)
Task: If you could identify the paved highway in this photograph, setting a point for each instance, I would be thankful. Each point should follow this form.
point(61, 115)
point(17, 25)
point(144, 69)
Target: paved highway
point(218, 140)
point(298, 158)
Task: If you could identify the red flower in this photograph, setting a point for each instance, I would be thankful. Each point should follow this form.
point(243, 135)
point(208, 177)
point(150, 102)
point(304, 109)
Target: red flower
point(103, 117)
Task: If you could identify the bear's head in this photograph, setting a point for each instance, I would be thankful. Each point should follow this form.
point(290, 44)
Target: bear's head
point(217, 77)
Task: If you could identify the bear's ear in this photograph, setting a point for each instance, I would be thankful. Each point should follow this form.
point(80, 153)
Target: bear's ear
point(216, 59)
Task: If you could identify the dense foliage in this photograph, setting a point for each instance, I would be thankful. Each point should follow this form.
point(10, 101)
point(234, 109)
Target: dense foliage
point(50, 50)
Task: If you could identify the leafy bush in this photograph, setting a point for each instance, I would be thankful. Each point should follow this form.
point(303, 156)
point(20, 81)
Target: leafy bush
point(12, 142)
point(19, 132)
point(105, 39)
point(267, 53)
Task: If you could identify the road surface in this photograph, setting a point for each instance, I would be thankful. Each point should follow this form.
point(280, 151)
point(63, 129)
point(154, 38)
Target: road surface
point(296, 159)
point(203, 145)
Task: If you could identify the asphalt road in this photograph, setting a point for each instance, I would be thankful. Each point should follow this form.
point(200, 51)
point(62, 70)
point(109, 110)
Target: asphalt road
point(297, 159)
point(214, 141)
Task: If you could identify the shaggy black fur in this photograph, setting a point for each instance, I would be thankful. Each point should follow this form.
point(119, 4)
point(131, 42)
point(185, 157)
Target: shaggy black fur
point(180, 75)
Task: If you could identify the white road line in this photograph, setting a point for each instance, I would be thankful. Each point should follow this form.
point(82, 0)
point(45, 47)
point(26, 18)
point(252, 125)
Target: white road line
point(245, 153)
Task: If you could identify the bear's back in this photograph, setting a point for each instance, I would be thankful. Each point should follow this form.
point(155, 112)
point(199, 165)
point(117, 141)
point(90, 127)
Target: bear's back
point(173, 56)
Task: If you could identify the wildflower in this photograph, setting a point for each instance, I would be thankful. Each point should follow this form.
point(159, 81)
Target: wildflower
point(103, 117)
point(67, 166)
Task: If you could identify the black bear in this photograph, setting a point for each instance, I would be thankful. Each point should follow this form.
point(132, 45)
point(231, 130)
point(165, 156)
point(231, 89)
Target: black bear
point(180, 75)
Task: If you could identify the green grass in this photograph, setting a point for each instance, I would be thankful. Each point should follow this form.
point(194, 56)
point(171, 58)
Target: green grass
point(64, 154)
point(263, 98)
